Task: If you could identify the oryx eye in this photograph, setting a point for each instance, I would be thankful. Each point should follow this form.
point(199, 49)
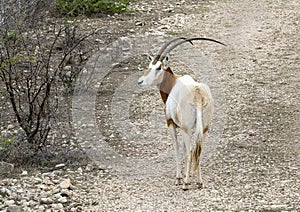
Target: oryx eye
point(157, 69)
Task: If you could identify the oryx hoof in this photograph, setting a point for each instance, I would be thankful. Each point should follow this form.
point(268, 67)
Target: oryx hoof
point(185, 186)
point(200, 185)
point(178, 181)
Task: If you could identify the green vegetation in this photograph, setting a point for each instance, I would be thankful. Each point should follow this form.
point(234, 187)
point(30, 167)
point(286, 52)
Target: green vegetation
point(87, 7)
point(5, 143)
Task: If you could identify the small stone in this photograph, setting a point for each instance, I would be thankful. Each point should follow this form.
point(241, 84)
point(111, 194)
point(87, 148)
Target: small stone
point(21, 190)
point(46, 200)
point(79, 170)
point(57, 206)
point(41, 208)
point(139, 23)
point(32, 203)
point(44, 187)
point(57, 196)
point(9, 202)
point(277, 207)
point(65, 193)
point(48, 182)
point(60, 165)
point(65, 184)
point(99, 41)
point(24, 173)
point(67, 68)
point(84, 71)
point(62, 200)
point(251, 133)
point(10, 127)
point(5, 192)
point(14, 208)
point(55, 181)
point(169, 10)
point(55, 191)
point(68, 74)
point(37, 180)
point(88, 168)
point(164, 27)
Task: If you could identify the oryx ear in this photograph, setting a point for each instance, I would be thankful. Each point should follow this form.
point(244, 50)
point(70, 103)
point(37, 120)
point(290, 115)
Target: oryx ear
point(150, 58)
point(166, 62)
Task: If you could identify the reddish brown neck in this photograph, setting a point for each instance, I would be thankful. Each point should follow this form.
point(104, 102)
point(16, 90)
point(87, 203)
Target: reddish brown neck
point(167, 84)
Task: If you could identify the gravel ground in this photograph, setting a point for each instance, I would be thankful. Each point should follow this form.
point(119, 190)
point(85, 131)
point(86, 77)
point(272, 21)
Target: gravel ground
point(255, 165)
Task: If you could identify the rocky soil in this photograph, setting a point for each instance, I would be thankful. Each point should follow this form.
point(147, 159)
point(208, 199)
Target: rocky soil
point(255, 165)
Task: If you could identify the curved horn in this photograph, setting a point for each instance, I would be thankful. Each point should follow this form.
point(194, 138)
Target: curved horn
point(189, 40)
point(162, 49)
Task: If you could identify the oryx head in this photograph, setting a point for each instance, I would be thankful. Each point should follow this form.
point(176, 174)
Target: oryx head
point(158, 64)
point(153, 76)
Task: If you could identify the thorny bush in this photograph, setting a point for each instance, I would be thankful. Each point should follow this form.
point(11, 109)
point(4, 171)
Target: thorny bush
point(35, 67)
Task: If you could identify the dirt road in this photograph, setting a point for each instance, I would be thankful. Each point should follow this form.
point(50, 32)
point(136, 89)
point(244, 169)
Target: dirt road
point(256, 166)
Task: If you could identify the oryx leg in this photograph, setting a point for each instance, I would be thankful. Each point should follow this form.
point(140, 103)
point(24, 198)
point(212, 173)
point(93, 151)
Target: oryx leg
point(199, 178)
point(172, 130)
point(187, 142)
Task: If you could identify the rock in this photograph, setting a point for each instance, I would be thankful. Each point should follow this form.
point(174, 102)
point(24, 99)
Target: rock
point(46, 200)
point(68, 74)
point(55, 181)
point(139, 23)
point(10, 127)
point(5, 192)
point(41, 208)
point(275, 207)
point(99, 41)
point(37, 180)
point(57, 206)
point(57, 196)
point(62, 200)
point(44, 187)
point(14, 208)
point(65, 184)
point(9, 202)
point(60, 165)
point(24, 173)
point(32, 203)
point(84, 71)
point(48, 182)
point(79, 170)
point(67, 68)
point(164, 27)
point(88, 168)
point(66, 193)
point(55, 191)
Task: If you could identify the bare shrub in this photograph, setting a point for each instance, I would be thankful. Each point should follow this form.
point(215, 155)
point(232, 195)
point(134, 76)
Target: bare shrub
point(37, 63)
